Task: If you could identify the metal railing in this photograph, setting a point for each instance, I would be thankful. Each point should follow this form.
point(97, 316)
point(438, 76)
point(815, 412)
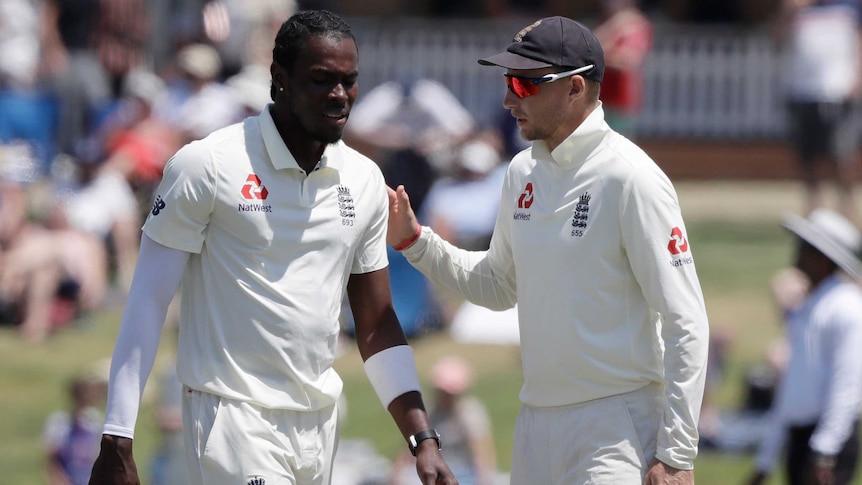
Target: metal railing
point(700, 82)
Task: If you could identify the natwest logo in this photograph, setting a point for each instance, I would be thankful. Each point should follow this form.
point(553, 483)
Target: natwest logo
point(526, 198)
point(677, 243)
point(254, 189)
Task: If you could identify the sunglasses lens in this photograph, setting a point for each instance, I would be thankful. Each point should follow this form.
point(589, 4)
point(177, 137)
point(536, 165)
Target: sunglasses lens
point(521, 87)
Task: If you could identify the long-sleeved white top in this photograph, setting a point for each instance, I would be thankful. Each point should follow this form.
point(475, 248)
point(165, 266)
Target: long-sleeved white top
point(590, 243)
point(822, 383)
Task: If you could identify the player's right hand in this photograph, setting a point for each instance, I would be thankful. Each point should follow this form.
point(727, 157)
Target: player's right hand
point(402, 221)
point(115, 464)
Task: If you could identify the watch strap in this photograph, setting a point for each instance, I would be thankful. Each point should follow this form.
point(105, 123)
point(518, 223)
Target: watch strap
point(428, 434)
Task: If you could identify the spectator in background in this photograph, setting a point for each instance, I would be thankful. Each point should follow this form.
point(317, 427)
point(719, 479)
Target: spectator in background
point(411, 129)
point(120, 38)
point(462, 205)
point(822, 86)
point(47, 276)
point(80, 80)
point(251, 87)
point(168, 466)
point(197, 103)
point(625, 34)
point(464, 420)
point(71, 438)
point(817, 405)
point(133, 141)
point(242, 30)
point(98, 202)
point(27, 109)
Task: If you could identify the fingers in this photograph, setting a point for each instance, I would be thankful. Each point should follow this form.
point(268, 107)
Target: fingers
point(397, 198)
point(392, 194)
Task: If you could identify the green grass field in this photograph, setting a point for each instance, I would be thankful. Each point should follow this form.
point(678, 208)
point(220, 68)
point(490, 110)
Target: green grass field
point(737, 243)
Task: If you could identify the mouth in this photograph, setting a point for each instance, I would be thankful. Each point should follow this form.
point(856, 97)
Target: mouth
point(338, 118)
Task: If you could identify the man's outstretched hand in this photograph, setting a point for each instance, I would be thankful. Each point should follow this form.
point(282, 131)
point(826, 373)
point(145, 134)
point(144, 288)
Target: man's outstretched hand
point(115, 464)
point(402, 221)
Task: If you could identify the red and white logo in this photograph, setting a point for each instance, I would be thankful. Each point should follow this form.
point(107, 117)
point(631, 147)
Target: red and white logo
point(678, 244)
point(254, 189)
point(526, 198)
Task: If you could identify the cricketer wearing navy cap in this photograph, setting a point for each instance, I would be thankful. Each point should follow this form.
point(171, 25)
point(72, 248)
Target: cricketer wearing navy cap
point(589, 244)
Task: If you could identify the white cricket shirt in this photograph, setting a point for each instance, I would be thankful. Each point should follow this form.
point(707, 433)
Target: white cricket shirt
point(273, 248)
point(590, 243)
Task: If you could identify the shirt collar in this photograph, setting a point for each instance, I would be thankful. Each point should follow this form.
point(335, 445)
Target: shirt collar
point(279, 154)
point(577, 147)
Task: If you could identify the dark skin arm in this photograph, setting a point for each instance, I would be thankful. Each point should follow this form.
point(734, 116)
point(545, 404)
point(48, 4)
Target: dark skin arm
point(377, 328)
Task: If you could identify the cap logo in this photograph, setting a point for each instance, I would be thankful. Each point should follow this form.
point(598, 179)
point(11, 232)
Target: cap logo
point(519, 37)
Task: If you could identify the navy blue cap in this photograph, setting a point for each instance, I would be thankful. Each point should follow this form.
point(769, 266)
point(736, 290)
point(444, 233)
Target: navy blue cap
point(552, 42)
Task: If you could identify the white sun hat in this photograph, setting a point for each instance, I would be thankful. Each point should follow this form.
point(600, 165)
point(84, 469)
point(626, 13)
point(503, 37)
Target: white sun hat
point(833, 235)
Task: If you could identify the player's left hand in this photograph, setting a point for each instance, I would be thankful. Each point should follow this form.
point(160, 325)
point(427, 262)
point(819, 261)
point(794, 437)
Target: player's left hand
point(662, 474)
point(430, 466)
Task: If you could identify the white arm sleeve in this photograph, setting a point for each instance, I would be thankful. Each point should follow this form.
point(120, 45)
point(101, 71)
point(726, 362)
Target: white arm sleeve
point(157, 276)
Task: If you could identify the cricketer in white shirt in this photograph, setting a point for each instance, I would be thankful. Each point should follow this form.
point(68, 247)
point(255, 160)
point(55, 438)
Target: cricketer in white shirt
point(591, 245)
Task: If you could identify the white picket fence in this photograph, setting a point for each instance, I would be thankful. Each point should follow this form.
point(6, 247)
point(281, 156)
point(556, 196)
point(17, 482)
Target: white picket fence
point(700, 82)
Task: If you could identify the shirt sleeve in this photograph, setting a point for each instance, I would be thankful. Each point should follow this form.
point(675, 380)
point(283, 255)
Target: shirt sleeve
point(184, 200)
point(655, 240)
point(841, 344)
point(486, 278)
point(157, 277)
point(371, 250)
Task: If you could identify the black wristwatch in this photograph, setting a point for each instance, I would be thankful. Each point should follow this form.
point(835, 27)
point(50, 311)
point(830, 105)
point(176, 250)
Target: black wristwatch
point(429, 434)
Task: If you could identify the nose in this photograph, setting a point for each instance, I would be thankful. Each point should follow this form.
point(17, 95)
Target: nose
point(510, 100)
point(338, 92)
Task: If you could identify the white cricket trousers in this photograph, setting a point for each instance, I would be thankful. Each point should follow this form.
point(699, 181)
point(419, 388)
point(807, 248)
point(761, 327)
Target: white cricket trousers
point(232, 442)
point(608, 441)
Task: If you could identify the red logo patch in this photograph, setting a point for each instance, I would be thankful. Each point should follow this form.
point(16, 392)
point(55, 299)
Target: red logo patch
point(254, 189)
point(526, 198)
point(678, 244)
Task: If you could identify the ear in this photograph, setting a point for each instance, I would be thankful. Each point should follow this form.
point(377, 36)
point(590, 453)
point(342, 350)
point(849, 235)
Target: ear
point(279, 77)
point(577, 86)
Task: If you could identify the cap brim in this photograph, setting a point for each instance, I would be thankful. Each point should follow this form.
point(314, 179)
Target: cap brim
point(805, 230)
point(513, 61)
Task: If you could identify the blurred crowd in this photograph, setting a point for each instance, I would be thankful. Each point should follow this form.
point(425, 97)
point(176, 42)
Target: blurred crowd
point(95, 96)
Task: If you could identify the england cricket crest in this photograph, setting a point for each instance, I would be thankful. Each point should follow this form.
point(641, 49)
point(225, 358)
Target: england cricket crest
point(582, 212)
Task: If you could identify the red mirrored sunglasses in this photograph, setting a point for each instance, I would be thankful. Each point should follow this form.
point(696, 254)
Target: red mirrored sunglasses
point(522, 86)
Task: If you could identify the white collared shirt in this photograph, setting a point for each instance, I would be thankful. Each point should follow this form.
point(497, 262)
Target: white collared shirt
point(272, 250)
point(590, 243)
point(822, 383)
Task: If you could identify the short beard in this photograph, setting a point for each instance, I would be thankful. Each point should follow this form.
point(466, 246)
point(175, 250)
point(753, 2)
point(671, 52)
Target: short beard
point(316, 136)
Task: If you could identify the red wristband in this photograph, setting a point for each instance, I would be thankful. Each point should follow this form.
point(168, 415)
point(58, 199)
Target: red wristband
point(409, 242)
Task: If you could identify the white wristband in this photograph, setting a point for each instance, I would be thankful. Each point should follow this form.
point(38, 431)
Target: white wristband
point(392, 372)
